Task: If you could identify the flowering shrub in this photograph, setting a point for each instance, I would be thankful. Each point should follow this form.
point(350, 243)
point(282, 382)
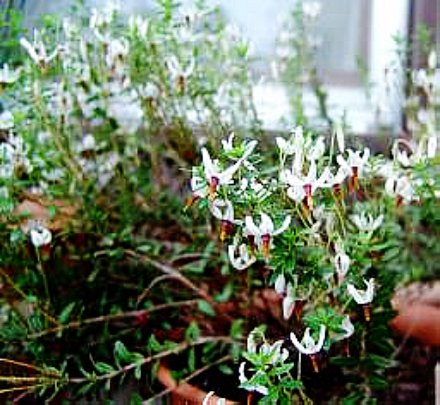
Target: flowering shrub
point(324, 219)
point(104, 275)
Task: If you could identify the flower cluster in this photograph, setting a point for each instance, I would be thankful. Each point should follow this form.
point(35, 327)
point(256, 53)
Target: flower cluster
point(312, 201)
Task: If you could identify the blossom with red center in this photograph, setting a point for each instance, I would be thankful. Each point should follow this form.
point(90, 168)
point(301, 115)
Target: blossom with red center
point(302, 188)
point(224, 211)
point(354, 166)
point(264, 232)
point(214, 175)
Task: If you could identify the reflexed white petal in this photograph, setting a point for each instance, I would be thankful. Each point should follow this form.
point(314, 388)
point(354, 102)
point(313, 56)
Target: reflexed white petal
point(40, 236)
point(280, 284)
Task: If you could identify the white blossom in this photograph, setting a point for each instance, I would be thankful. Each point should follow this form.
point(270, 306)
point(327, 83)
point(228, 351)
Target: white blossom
point(289, 300)
point(8, 75)
point(214, 176)
point(6, 121)
point(244, 258)
point(366, 223)
point(264, 232)
point(38, 233)
point(308, 345)
point(304, 187)
point(347, 328)
point(401, 188)
point(362, 297)
point(243, 380)
point(37, 50)
point(342, 264)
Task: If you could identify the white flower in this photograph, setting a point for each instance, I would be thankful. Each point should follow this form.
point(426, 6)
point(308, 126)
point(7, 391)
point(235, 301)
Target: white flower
point(214, 175)
point(362, 297)
point(366, 223)
point(337, 179)
point(289, 300)
point(342, 264)
point(347, 327)
point(265, 230)
point(304, 187)
point(127, 111)
point(37, 50)
point(88, 143)
point(198, 187)
point(244, 380)
point(280, 284)
point(418, 153)
point(6, 121)
point(401, 188)
point(138, 25)
point(354, 165)
point(308, 345)
point(117, 50)
point(9, 76)
point(177, 70)
point(39, 235)
point(274, 352)
point(224, 211)
point(243, 260)
point(247, 147)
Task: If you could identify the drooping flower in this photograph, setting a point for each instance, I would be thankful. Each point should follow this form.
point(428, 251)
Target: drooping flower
point(244, 258)
point(308, 345)
point(302, 188)
point(6, 121)
point(289, 302)
point(244, 380)
point(400, 188)
point(179, 72)
point(214, 175)
point(37, 50)
point(342, 264)
point(347, 329)
point(362, 297)
point(335, 181)
point(354, 165)
point(8, 76)
point(366, 223)
point(245, 150)
point(38, 233)
point(265, 231)
point(280, 284)
point(224, 211)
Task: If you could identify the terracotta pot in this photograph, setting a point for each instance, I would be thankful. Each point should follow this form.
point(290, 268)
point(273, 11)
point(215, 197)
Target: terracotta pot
point(418, 317)
point(184, 393)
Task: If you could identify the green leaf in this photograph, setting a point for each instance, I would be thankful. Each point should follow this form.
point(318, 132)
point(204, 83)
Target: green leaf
point(122, 354)
point(191, 359)
point(225, 295)
point(192, 333)
point(153, 344)
point(66, 312)
point(225, 369)
point(138, 372)
point(205, 307)
point(104, 368)
point(236, 331)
